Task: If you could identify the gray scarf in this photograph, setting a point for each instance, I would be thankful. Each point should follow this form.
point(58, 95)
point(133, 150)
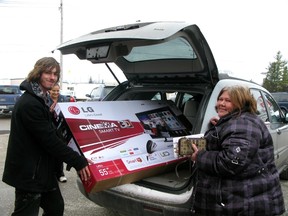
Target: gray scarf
point(38, 91)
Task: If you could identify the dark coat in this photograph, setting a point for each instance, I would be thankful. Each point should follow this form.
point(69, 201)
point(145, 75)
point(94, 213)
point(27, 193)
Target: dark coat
point(34, 145)
point(237, 173)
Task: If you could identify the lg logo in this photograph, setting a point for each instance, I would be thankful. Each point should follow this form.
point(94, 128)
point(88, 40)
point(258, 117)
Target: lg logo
point(87, 110)
point(76, 111)
point(73, 110)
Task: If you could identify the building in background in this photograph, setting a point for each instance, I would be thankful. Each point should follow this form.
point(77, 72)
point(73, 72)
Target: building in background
point(14, 81)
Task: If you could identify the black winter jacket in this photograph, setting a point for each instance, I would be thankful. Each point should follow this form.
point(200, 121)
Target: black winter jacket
point(34, 145)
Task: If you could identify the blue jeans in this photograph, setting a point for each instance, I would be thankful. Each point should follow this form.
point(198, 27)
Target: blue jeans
point(28, 203)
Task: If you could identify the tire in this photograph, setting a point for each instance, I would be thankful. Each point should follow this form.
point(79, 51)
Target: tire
point(284, 174)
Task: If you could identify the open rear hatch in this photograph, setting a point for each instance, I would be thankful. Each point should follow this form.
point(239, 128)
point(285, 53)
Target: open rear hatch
point(151, 54)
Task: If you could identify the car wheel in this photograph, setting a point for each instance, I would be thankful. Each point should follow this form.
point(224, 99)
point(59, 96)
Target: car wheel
point(284, 174)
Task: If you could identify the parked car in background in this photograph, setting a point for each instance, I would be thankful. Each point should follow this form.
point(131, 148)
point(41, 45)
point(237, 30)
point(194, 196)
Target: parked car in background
point(69, 95)
point(9, 94)
point(282, 100)
point(163, 61)
point(98, 93)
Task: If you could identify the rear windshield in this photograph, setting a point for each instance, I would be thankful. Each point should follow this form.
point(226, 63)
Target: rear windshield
point(178, 48)
point(9, 90)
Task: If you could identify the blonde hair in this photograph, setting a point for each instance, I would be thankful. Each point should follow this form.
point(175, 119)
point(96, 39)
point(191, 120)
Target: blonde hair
point(241, 97)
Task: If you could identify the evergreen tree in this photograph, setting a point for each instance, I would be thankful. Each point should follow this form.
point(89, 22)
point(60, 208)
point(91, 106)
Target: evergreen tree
point(90, 80)
point(277, 75)
point(285, 79)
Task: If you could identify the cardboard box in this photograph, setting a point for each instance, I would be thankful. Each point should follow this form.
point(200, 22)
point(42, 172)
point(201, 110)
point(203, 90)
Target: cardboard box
point(126, 140)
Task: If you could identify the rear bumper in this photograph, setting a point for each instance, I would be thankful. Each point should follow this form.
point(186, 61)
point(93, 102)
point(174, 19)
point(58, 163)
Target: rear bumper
point(6, 108)
point(121, 200)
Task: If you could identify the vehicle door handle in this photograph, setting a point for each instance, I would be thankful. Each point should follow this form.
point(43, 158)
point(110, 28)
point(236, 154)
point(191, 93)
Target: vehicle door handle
point(279, 130)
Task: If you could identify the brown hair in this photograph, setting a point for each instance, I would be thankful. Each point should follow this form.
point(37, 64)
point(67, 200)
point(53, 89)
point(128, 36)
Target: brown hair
point(43, 64)
point(241, 97)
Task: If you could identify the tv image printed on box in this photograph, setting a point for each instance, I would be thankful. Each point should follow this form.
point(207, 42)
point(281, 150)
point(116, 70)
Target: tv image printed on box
point(125, 144)
point(160, 123)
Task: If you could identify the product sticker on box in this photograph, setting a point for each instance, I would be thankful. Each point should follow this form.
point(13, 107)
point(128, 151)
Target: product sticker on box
point(125, 140)
point(183, 145)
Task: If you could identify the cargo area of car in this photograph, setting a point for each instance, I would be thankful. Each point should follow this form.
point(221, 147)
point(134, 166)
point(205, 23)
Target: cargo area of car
point(180, 177)
point(175, 181)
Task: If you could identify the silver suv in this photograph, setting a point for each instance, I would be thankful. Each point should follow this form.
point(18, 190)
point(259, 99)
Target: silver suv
point(168, 61)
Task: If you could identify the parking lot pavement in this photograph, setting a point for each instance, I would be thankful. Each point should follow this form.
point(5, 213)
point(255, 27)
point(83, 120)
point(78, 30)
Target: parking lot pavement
point(284, 185)
point(75, 203)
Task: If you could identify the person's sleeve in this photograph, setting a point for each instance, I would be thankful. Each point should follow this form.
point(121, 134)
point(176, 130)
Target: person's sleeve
point(44, 133)
point(239, 146)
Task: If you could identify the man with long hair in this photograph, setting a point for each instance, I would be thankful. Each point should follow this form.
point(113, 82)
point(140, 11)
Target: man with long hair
point(34, 146)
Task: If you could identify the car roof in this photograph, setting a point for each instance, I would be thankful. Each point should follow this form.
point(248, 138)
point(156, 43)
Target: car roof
point(280, 96)
point(151, 52)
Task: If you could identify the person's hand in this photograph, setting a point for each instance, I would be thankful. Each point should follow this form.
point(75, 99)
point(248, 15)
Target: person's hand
point(52, 107)
point(214, 120)
point(84, 174)
point(89, 161)
point(194, 155)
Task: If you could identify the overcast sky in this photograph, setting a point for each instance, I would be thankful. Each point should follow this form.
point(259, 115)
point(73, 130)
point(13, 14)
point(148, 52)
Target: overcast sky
point(244, 35)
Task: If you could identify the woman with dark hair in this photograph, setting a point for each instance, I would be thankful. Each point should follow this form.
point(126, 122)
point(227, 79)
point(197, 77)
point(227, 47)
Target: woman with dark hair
point(236, 172)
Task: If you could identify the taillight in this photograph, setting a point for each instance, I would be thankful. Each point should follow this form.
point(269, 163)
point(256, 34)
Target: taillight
point(72, 99)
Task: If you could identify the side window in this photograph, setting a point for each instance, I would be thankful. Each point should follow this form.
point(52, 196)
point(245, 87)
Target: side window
point(157, 96)
point(95, 93)
point(164, 96)
point(262, 112)
point(186, 97)
point(273, 109)
point(171, 96)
